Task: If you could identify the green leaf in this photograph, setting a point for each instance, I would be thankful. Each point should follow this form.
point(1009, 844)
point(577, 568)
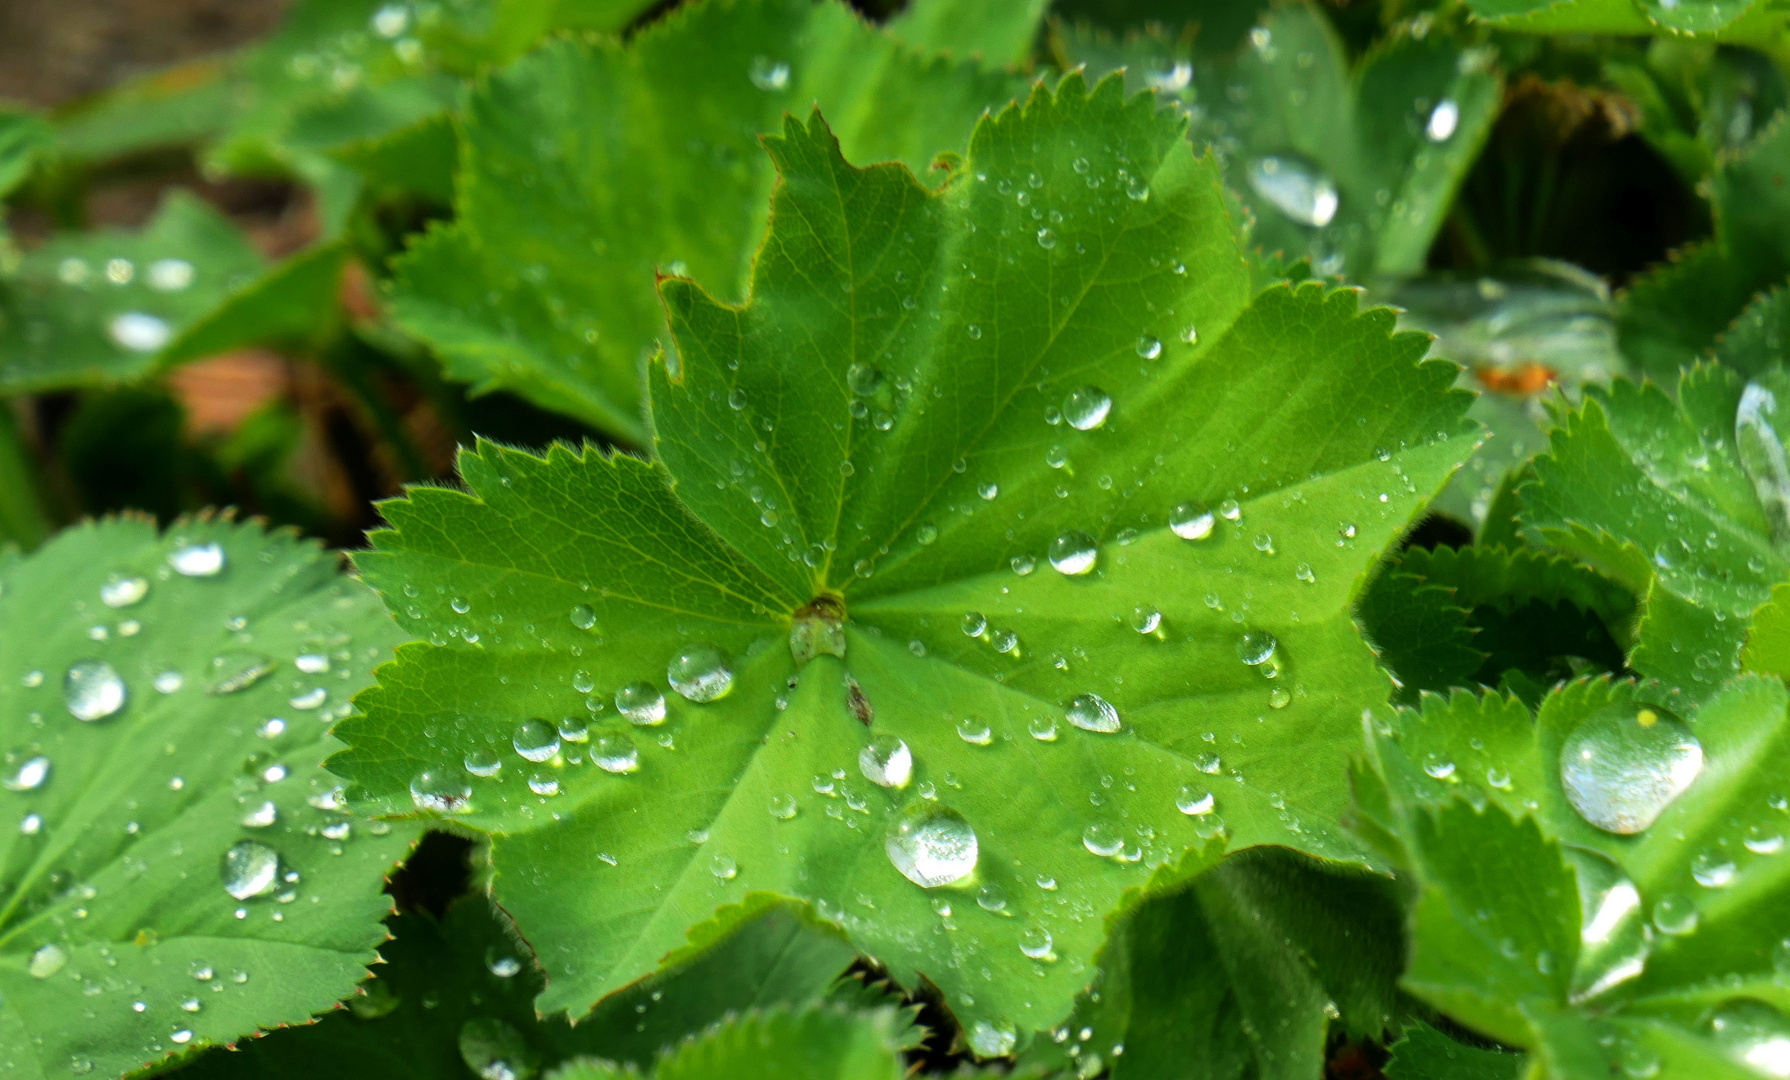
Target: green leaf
point(23, 137)
point(1768, 639)
point(1555, 891)
point(176, 869)
point(1423, 1053)
point(818, 1043)
point(103, 306)
point(998, 31)
point(294, 302)
point(1656, 495)
point(877, 483)
point(1238, 972)
point(1760, 338)
point(1355, 168)
point(184, 105)
point(453, 994)
point(1419, 632)
point(548, 290)
point(1756, 22)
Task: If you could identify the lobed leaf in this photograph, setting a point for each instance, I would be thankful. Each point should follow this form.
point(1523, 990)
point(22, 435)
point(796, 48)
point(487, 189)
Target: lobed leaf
point(873, 487)
point(177, 870)
point(818, 1043)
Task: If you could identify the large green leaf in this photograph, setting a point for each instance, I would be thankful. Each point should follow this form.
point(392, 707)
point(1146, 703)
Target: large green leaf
point(455, 997)
point(1238, 974)
point(544, 285)
point(1424, 1053)
point(177, 868)
point(1755, 22)
point(820, 1043)
point(999, 31)
point(1664, 497)
point(887, 493)
point(1355, 168)
point(1605, 883)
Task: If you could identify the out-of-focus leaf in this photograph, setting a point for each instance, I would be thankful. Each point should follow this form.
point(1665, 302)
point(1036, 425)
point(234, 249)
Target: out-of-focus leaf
point(823, 1042)
point(23, 520)
point(294, 302)
point(546, 288)
point(181, 106)
point(1423, 1053)
point(420, 158)
point(176, 869)
point(23, 137)
point(1354, 168)
point(1755, 22)
point(1419, 631)
point(1760, 339)
point(1241, 973)
point(998, 31)
point(1028, 525)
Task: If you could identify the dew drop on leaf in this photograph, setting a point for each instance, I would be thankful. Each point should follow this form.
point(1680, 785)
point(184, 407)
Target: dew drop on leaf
point(1444, 118)
point(783, 806)
point(1103, 838)
point(1625, 764)
point(1191, 521)
point(440, 791)
point(583, 617)
point(494, 1050)
point(1613, 938)
point(47, 961)
point(1035, 942)
point(92, 690)
point(261, 816)
point(1086, 408)
point(139, 331)
point(934, 848)
point(1148, 347)
point(543, 783)
point(975, 731)
point(1145, 619)
point(123, 591)
point(30, 775)
point(886, 761)
point(974, 624)
point(1091, 712)
point(1073, 553)
point(1194, 800)
point(1296, 188)
point(700, 672)
point(250, 868)
point(1675, 914)
point(1043, 728)
point(641, 703)
point(1754, 1034)
point(197, 560)
point(1256, 647)
point(1713, 869)
point(535, 740)
point(615, 754)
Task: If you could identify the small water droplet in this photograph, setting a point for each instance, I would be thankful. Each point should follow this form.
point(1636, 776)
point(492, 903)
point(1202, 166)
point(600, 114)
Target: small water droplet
point(1296, 188)
point(615, 754)
point(783, 806)
point(1191, 521)
point(993, 1039)
point(886, 761)
point(1086, 408)
point(1103, 838)
point(139, 331)
point(197, 560)
point(121, 591)
point(29, 776)
point(1036, 943)
point(92, 690)
point(1713, 869)
point(1675, 914)
point(1194, 800)
point(1256, 647)
point(47, 961)
point(1073, 553)
point(583, 617)
point(975, 731)
point(1148, 347)
point(261, 816)
point(440, 791)
point(641, 703)
point(1444, 118)
point(1091, 712)
point(974, 624)
point(1043, 728)
point(1145, 620)
point(249, 869)
point(1047, 238)
point(768, 74)
point(535, 740)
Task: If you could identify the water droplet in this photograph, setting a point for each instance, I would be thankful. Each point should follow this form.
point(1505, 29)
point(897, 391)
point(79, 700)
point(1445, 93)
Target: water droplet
point(1190, 334)
point(1148, 347)
point(1086, 408)
point(120, 592)
point(1091, 712)
point(169, 681)
point(1296, 188)
point(993, 1039)
point(1023, 564)
point(1145, 620)
point(1035, 943)
point(992, 897)
point(989, 491)
point(1614, 939)
point(1444, 118)
point(1437, 767)
point(1047, 238)
point(1675, 914)
point(1194, 800)
point(92, 690)
point(1043, 728)
point(768, 74)
point(974, 624)
point(783, 806)
point(1626, 763)
point(1713, 869)
point(615, 754)
point(494, 1050)
point(1103, 838)
point(543, 783)
point(505, 967)
point(250, 868)
point(1763, 840)
point(1230, 510)
point(886, 762)
point(700, 673)
point(1208, 763)
point(583, 617)
point(311, 663)
point(139, 331)
point(47, 961)
point(933, 848)
point(1073, 553)
point(30, 776)
point(310, 699)
point(261, 816)
point(975, 731)
point(535, 740)
point(641, 703)
point(1256, 647)
point(440, 791)
point(1760, 448)
point(736, 400)
point(197, 560)
point(1754, 1034)
point(1191, 521)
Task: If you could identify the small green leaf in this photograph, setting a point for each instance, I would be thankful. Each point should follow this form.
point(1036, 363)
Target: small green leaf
point(23, 137)
point(1667, 823)
point(176, 868)
point(1073, 558)
point(547, 290)
point(102, 306)
point(1239, 971)
point(1354, 168)
point(818, 1043)
point(1420, 633)
point(1423, 1053)
point(1760, 338)
point(1661, 497)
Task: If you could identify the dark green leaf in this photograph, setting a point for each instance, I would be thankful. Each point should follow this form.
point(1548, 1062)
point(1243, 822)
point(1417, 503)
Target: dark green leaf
point(818, 1043)
point(1424, 1053)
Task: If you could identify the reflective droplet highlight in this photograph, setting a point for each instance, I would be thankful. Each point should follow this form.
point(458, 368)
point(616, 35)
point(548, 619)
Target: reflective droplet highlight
point(1625, 764)
point(92, 690)
point(1091, 712)
point(641, 703)
point(700, 672)
point(886, 761)
point(250, 869)
point(935, 848)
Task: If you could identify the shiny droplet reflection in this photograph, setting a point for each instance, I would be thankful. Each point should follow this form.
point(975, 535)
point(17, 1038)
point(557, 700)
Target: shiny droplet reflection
point(1625, 764)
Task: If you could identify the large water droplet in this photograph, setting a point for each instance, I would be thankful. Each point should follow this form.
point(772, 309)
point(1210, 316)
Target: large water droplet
point(47, 961)
point(1091, 712)
point(1103, 838)
point(139, 331)
point(494, 1050)
point(120, 591)
point(250, 868)
point(886, 761)
point(197, 560)
point(441, 791)
point(1296, 188)
point(30, 776)
point(1675, 914)
point(482, 762)
point(641, 703)
point(1755, 1035)
point(1613, 937)
point(1626, 763)
point(1194, 800)
point(1256, 647)
point(535, 740)
point(1191, 521)
point(934, 848)
point(988, 1039)
point(1035, 943)
point(1761, 450)
point(92, 690)
point(1086, 408)
point(1073, 553)
point(616, 754)
point(1444, 118)
point(700, 672)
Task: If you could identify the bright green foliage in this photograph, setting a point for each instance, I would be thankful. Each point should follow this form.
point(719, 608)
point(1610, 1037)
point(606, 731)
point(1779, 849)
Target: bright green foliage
point(1760, 338)
point(456, 996)
point(207, 700)
point(1515, 619)
point(1531, 918)
point(998, 31)
point(1674, 315)
point(544, 285)
point(928, 397)
point(1354, 168)
point(1237, 975)
point(818, 1043)
point(1424, 1053)
point(1756, 22)
point(1661, 497)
